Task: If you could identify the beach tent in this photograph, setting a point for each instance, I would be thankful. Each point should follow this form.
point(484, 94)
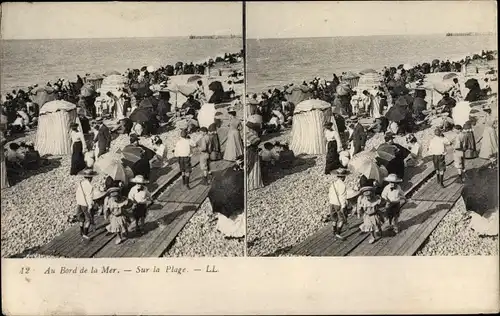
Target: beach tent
point(307, 129)
point(53, 134)
point(351, 78)
point(113, 83)
point(95, 80)
point(369, 81)
point(206, 115)
point(181, 88)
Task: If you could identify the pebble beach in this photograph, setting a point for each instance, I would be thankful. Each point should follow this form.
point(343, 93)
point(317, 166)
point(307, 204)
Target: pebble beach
point(35, 210)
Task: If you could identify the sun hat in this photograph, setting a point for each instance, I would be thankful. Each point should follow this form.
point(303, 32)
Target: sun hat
point(352, 194)
point(99, 119)
point(231, 109)
point(113, 191)
point(88, 173)
point(139, 179)
point(341, 172)
point(393, 178)
point(353, 118)
point(366, 188)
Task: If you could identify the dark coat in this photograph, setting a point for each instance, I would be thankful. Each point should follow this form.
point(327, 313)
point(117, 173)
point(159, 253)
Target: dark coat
point(358, 138)
point(103, 139)
point(227, 192)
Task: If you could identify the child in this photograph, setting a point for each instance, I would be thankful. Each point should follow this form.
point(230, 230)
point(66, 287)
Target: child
point(437, 149)
point(140, 197)
point(394, 197)
point(118, 223)
point(183, 153)
point(205, 148)
point(459, 152)
point(370, 204)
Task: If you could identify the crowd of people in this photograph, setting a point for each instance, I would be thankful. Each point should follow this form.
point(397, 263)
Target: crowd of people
point(397, 106)
point(140, 108)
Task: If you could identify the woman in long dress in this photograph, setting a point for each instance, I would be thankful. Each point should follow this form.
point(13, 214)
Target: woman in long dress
point(332, 148)
point(489, 142)
point(469, 141)
point(234, 143)
point(78, 145)
point(226, 197)
point(254, 173)
point(215, 152)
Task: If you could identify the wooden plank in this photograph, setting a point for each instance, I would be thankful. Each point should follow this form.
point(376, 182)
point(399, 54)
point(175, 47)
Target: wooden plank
point(365, 248)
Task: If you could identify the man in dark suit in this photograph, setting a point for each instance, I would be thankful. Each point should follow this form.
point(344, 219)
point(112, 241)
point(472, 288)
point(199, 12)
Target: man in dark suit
point(358, 136)
point(103, 137)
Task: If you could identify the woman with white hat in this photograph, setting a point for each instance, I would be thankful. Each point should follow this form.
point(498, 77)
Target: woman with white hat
point(394, 197)
point(140, 197)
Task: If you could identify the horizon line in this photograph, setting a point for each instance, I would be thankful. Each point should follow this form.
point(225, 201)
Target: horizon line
point(415, 34)
point(119, 37)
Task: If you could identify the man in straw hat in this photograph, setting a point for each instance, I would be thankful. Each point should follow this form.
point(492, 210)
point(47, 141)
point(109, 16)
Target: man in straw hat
point(394, 197)
point(85, 201)
point(338, 201)
point(437, 149)
point(140, 197)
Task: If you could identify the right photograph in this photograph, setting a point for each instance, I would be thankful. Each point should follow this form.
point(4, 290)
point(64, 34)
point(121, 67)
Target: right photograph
point(371, 128)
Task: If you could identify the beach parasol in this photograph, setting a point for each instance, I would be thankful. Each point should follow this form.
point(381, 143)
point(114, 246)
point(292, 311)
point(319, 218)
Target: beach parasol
point(186, 90)
point(43, 95)
point(111, 73)
point(461, 113)
point(140, 115)
point(368, 71)
point(435, 62)
point(442, 87)
point(350, 75)
point(194, 78)
point(407, 67)
point(87, 90)
point(206, 115)
point(387, 152)
point(111, 166)
point(396, 113)
point(366, 167)
point(132, 153)
point(450, 76)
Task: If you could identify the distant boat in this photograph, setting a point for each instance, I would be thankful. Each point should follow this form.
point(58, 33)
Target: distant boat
point(213, 36)
point(470, 34)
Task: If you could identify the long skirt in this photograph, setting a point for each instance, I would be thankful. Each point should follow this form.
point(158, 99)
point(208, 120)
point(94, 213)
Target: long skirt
point(489, 143)
point(332, 157)
point(234, 145)
point(470, 145)
point(117, 224)
point(77, 159)
point(215, 153)
point(254, 173)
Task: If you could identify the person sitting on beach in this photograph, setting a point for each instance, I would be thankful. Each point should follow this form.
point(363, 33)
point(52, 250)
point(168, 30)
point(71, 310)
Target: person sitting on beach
point(268, 154)
point(18, 126)
point(200, 91)
point(447, 103)
point(14, 156)
point(415, 156)
point(273, 125)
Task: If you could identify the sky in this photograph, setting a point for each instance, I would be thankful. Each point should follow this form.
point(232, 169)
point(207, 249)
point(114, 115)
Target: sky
point(327, 19)
point(119, 19)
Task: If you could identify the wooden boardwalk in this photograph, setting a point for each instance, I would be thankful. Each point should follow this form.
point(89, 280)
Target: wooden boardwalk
point(419, 216)
point(167, 215)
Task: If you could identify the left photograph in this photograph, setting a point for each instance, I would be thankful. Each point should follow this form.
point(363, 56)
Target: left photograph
point(121, 128)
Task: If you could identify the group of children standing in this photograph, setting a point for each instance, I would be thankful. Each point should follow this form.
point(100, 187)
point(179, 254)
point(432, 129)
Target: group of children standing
point(116, 206)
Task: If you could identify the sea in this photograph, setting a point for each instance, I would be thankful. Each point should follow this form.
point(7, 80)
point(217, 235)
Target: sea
point(26, 62)
point(273, 63)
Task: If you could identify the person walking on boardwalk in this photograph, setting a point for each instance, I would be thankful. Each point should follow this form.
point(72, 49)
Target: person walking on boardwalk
point(183, 153)
point(205, 148)
point(394, 197)
point(369, 204)
point(337, 196)
point(459, 153)
point(85, 201)
point(115, 211)
point(437, 149)
point(140, 197)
